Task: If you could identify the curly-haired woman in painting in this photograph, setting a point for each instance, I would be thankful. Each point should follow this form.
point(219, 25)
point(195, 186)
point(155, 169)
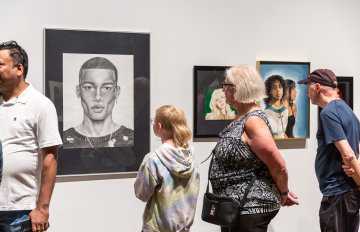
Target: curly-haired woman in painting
point(290, 98)
point(219, 109)
point(275, 109)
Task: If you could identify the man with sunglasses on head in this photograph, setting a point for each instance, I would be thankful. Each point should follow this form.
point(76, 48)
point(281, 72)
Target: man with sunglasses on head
point(30, 137)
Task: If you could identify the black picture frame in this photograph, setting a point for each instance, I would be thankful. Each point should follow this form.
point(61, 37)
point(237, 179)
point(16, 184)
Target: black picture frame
point(104, 160)
point(345, 90)
point(206, 80)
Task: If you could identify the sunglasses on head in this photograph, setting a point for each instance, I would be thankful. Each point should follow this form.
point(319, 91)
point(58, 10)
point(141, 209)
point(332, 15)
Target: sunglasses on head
point(9, 44)
point(12, 44)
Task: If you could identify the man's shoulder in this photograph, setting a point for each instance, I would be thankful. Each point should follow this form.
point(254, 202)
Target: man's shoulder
point(37, 98)
point(41, 96)
point(335, 107)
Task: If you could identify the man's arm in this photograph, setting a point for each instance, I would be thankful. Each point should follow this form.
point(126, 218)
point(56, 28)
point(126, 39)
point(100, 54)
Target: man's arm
point(349, 158)
point(40, 215)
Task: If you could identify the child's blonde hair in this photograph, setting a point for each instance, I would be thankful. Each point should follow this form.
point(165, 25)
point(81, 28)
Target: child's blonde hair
point(173, 120)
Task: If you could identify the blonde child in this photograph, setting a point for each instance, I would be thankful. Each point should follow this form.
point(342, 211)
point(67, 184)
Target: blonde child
point(168, 178)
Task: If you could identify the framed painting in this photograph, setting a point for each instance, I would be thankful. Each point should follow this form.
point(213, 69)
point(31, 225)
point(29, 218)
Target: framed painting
point(345, 90)
point(211, 113)
point(286, 103)
point(100, 85)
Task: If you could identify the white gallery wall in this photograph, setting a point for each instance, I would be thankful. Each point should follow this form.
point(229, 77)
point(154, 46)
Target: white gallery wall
point(183, 34)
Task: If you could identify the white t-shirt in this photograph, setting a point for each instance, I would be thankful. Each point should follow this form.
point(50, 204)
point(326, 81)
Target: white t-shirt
point(28, 122)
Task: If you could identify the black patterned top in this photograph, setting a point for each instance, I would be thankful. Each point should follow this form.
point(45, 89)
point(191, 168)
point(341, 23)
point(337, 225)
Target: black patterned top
point(235, 164)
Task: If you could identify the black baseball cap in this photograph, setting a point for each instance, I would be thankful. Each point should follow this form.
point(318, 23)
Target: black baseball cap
point(321, 76)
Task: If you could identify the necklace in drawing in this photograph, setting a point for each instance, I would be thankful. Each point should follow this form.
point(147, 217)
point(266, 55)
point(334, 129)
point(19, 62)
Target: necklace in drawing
point(110, 143)
point(281, 120)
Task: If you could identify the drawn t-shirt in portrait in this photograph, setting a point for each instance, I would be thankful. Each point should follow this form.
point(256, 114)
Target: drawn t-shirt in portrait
point(120, 138)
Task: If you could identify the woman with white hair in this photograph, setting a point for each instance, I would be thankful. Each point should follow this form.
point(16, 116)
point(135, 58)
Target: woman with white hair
point(219, 109)
point(247, 148)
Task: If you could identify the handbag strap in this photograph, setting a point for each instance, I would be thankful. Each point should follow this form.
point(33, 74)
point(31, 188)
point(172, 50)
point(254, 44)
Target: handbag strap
point(211, 162)
point(247, 190)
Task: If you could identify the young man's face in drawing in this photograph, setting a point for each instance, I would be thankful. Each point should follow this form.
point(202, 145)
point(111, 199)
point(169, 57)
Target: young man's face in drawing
point(98, 92)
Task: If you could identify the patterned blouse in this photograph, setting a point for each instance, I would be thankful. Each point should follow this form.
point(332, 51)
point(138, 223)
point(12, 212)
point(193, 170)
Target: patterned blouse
point(235, 164)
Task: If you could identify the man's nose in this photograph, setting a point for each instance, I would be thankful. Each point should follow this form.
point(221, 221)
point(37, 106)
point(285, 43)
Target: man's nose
point(98, 96)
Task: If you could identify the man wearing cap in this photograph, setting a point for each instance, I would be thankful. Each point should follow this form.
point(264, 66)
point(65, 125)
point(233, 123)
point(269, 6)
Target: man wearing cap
point(30, 137)
point(338, 139)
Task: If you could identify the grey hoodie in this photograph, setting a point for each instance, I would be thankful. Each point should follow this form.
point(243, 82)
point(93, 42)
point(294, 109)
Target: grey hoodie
point(168, 180)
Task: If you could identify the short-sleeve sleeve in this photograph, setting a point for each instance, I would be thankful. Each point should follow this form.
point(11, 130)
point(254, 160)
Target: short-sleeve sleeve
point(47, 127)
point(333, 130)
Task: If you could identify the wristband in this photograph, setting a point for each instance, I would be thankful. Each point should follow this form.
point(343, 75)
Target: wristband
point(284, 193)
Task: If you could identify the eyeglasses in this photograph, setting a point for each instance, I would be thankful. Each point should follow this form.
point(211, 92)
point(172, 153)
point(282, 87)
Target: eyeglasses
point(152, 121)
point(224, 85)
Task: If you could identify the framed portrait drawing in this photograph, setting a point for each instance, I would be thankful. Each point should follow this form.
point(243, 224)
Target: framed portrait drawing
point(55, 94)
point(211, 113)
point(100, 84)
point(286, 103)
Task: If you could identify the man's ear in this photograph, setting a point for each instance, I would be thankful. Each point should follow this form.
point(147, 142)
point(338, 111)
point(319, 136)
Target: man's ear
point(318, 88)
point(117, 91)
point(20, 70)
point(78, 91)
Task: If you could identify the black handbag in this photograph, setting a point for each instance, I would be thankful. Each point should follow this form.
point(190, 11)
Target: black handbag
point(222, 210)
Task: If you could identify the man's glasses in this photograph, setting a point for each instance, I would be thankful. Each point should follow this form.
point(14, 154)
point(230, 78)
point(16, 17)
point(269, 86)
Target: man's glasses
point(224, 85)
point(152, 121)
